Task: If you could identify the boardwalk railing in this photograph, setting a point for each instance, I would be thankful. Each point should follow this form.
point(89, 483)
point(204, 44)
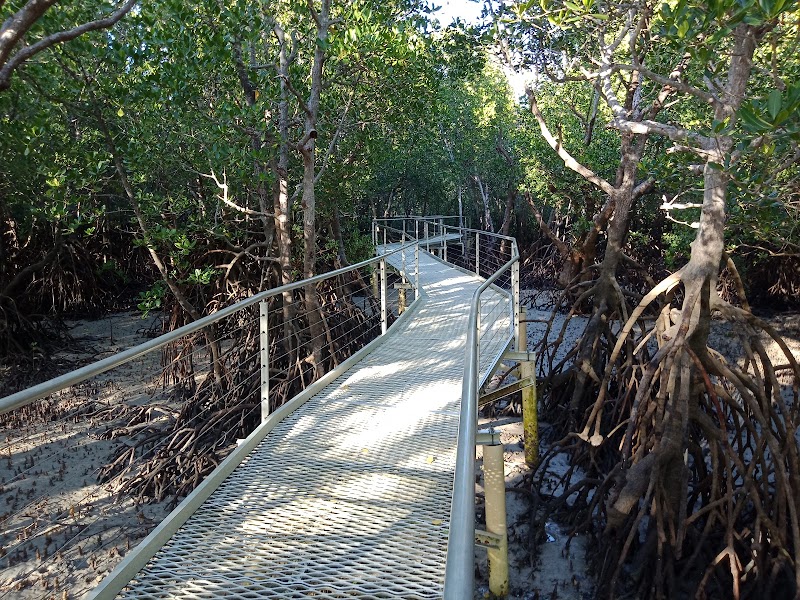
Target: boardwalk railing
point(218, 378)
point(222, 378)
point(495, 257)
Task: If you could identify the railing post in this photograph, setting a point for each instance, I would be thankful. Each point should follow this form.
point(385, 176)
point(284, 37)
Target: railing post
point(416, 228)
point(263, 322)
point(401, 291)
point(478, 328)
point(494, 483)
point(384, 239)
point(478, 253)
point(444, 245)
point(427, 243)
point(375, 234)
point(521, 343)
point(416, 271)
point(384, 321)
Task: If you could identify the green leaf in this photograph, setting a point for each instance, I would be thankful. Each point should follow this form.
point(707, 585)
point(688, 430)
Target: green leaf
point(774, 103)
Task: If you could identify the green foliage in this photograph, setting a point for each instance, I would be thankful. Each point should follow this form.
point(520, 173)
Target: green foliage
point(152, 299)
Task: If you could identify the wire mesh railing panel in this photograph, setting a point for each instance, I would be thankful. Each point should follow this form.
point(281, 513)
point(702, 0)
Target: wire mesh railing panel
point(89, 469)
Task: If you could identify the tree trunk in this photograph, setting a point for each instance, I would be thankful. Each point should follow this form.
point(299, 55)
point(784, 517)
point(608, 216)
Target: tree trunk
point(308, 151)
point(281, 200)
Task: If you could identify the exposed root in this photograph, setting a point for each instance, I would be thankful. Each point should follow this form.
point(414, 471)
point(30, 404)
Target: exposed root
point(685, 461)
point(217, 406)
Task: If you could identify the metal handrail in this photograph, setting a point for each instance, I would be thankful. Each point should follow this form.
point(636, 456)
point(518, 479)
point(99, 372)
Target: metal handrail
point(61, 382)
point(459, 582)
point(454, 227)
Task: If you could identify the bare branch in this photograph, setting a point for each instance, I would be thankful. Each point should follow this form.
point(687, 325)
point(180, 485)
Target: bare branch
point(644, 187)
point(223, 186)
point(338, 133)
point(678, 86)
point(314, 13)
point(569, 160)
point(25, 17)
point(300, 99)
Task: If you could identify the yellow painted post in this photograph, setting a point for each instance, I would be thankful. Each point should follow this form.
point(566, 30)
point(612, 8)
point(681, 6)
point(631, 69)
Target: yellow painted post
point(530, 411)
point(530, 416)
point(494, 483)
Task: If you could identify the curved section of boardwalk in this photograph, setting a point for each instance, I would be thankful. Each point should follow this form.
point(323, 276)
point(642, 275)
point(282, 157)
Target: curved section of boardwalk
point(348, 496)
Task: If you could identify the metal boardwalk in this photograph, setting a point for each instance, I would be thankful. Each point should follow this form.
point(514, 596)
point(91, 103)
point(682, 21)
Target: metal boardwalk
point(350, 494)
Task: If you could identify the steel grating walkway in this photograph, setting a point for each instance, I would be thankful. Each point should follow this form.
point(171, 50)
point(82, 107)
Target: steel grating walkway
point(349, 495)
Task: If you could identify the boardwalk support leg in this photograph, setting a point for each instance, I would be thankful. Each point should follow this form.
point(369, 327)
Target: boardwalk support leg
point(264, 353)
point(530, 417)
point(494, 482)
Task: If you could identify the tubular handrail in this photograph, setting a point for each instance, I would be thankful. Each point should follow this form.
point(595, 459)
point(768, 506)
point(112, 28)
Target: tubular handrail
point(66, 380)
point(459, 583)
point(498, 236)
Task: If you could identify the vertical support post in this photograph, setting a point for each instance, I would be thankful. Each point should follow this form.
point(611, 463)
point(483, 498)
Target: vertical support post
point(416, 271)
point(403, 261)
point(530, 410)
point(478, 336)
point(427, 243)
point(478, 253)
point(494, 483)
point(384, 239)
point(521, 343)
point(384, 320)
point(375, 233)
point(416, 229)
point(263, 322)
point(444, 245)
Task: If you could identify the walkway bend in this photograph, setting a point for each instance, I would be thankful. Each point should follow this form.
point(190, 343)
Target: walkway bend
point(349, 495)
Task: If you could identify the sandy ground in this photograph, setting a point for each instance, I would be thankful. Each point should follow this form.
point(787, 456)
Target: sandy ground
point(61, 531)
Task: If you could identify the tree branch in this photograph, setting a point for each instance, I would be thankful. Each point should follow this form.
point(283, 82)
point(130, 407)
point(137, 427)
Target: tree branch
point(337, 134)
point(565, 156)
point(223, 186)
point(300, 99)
point(562, 248)
point(11, 36)
point(678, 86)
